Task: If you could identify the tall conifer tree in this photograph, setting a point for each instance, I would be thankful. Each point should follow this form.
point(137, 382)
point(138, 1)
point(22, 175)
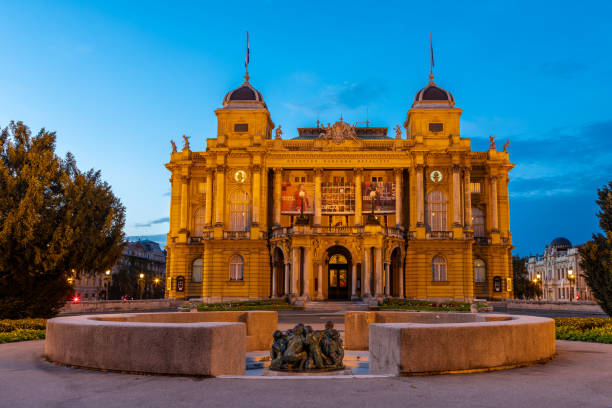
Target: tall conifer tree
point(597, 254)
point(53, 219)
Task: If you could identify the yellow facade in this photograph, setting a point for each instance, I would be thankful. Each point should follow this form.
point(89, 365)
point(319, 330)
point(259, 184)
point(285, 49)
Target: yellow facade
point(258, 216)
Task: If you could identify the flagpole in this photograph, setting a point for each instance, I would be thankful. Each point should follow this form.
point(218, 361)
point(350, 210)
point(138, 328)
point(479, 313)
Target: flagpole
point(246, 60)
point(431, 62)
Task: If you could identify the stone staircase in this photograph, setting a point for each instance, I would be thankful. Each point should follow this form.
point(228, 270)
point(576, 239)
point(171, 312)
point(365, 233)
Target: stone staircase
point(335, 305)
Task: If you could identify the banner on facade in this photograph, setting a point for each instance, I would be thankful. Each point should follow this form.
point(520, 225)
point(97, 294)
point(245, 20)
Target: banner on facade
point(384, 201)
point(298, 191)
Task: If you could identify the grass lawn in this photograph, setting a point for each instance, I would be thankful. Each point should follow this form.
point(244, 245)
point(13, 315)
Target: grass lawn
point(593, 329)
point(245, 305)
point(426, 306)
point(22, 329)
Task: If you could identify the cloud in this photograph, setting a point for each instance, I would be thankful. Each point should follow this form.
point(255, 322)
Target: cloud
point(167, 193)
point(346, 97)
point(562, 161)
point(562, 69)
point(148, 224)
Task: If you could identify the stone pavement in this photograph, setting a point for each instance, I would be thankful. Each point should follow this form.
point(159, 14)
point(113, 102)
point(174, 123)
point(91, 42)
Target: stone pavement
point(580, 375)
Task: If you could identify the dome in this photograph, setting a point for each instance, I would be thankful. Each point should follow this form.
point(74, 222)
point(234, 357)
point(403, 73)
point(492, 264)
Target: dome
point(433, 96)
point(561, 243)
point(246, 93)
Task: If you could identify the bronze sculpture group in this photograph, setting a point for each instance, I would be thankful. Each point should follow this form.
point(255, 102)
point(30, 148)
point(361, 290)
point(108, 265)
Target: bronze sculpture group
point(303, 349)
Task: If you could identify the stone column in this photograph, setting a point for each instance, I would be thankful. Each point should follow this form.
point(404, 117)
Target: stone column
point(358, 195)
point(400, 273)
point(420, 199)
point(184, 203)
point(317, 197)
point(287, 277)
point(220, 204)
point(468, 199)
point(456, 197)
point(295, 270)
point(278, 181)
point(307, 272)
point(398, 197)
point(275, 273)
point(365, 274)
point(320, 281)
point(378, 271)
point(354, 281)
point(494, 218)
point(256, 170)
point(209, 198)
point(387, 281)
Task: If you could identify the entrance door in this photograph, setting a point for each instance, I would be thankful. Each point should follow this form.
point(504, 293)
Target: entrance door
point(338, 277)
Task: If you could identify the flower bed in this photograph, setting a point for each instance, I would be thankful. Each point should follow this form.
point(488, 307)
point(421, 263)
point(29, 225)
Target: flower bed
point(22, 329)
point(593, 329)
point(245, 305)
point(426, 305)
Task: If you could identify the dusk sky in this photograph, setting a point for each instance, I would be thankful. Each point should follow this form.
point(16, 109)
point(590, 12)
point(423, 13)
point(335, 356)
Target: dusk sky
point(118, 80)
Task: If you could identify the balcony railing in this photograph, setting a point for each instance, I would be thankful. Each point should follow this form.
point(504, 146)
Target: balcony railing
point(331, 230)
point(439, 235)
point(236, 235)
point(337, 230)
point(468, 235)
point(394, 232)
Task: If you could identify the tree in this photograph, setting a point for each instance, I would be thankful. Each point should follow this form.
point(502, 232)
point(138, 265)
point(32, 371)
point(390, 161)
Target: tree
point(596, 255)
point(53, 219)
point(523, 287)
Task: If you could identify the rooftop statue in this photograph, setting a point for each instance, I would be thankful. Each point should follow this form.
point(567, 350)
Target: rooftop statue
point(173, 146)
point(304, 349)
point(491, 142)
point(338, 132)
point(186, 145)
point(506, 146)
point(398, 132)
point(279, 132)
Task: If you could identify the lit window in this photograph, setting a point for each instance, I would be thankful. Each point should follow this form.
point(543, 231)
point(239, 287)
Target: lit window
point(436, 211)
point(236, 268)
point(239, 211)
point(438, 266)
point(478, 222)
point(475, 187)
point(198, 222)
point(480, 272)
point(196, 271)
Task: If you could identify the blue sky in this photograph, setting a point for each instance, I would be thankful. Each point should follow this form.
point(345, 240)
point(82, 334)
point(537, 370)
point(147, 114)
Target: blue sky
point(118, 80)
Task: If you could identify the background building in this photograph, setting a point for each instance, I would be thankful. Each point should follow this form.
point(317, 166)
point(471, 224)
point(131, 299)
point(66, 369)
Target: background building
point(559, 271)
point(138, 257)
point(341, 211)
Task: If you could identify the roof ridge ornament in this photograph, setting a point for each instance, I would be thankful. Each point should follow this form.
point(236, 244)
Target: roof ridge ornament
point(246, 61)
point(431, 63)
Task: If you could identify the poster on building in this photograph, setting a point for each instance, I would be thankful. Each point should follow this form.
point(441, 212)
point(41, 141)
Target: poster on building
point(337, 195)
point(297, 193)
point(384, 200)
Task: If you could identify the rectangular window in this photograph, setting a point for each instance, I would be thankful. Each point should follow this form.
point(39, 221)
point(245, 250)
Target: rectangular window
point(241, 127)
point(436, 127)
point(475, 187)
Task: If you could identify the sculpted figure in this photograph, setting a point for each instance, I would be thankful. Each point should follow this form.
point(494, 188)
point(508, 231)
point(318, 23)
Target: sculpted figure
point(294, 355)
point(336, 351)
point(173, 146)
point(491, 142)
point(279, 132)
point(312, 341)
point(398, 132)
point(278, 347)
point(506, 146)
point(186, 145)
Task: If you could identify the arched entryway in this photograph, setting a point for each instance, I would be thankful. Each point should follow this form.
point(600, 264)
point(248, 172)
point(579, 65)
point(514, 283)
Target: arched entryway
point(279, 272)
point(396, 273)
point(338, 273)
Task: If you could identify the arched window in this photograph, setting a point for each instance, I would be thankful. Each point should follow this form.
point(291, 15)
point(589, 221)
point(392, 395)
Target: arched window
point(436, 211)
point(478, 222)
point(236, 267)
point(198, 222)
point(196, 271)
point(480, 271)
point(239, 211)
point(438, 267)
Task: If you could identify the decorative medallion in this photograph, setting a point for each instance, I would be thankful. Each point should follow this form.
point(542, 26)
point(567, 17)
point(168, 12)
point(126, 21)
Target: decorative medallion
point(435, 176)
point(240, 176)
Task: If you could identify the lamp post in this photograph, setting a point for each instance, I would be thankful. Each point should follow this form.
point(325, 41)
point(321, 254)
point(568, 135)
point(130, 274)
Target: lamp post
point(156, 283)
point(538, 279)
point(302, 220)
point(371, 217)
point(107, 281)
point(141, 284)
point(571, 277)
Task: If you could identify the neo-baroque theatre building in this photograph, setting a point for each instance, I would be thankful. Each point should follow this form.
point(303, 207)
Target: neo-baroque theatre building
point(341, 211)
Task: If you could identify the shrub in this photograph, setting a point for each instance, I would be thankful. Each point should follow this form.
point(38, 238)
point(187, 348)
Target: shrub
point(592, 329)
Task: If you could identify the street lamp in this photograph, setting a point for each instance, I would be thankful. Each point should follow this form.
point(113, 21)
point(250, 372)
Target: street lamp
point(301, 219)
point(537, 279)
point(141, 284)
point(571, 277)
point(107, 281)
point(371, 217)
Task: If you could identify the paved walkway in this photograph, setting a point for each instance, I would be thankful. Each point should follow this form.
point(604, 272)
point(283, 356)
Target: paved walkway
point(581, 375)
